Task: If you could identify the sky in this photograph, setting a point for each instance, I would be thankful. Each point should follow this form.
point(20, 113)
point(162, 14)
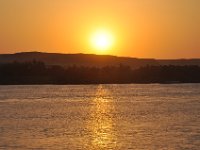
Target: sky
point(164, 29)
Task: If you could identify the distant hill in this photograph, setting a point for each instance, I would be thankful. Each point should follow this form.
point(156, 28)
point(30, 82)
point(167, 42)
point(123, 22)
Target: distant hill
point(90, 60)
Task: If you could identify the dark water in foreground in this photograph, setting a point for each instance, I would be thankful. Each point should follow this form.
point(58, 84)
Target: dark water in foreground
point(95, 117)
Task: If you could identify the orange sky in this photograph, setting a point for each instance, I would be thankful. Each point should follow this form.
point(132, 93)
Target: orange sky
point(141, 28)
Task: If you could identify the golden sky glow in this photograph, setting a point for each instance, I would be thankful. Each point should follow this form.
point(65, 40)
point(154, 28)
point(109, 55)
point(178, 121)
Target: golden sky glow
point(139, 28)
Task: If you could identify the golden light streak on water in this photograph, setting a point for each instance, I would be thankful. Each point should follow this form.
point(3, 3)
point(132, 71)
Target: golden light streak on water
point(102, 124)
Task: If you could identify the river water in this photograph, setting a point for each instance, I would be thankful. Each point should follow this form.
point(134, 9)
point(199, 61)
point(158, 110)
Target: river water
point(100, 117)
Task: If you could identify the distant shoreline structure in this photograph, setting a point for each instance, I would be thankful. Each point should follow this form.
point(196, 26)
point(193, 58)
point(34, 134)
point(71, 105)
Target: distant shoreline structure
point(37, 73)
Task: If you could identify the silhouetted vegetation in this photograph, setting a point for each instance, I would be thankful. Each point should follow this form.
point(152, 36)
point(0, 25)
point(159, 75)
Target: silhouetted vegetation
point(38, 73)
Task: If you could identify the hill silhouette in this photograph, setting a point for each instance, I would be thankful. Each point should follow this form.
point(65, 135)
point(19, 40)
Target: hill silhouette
point(90, 60)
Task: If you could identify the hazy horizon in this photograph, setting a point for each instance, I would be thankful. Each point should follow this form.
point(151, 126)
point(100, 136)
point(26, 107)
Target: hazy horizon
point(12, 53)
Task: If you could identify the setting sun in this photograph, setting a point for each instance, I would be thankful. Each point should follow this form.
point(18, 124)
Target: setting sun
point(102, 40)
point(100, 74)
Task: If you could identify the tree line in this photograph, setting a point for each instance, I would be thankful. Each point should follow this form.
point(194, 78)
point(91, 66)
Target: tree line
point(36, 72)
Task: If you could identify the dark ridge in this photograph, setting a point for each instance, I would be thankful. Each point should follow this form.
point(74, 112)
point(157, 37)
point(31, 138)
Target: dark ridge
point(90, 60)
point(66, 60)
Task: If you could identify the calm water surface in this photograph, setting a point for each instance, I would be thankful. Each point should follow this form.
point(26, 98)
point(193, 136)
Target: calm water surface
point(100, 117)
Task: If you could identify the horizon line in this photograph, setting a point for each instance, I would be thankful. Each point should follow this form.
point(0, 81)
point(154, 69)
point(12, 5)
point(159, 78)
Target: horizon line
point(61, 53)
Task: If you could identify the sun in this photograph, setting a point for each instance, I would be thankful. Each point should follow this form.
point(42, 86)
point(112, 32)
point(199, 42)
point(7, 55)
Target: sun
point(102, 40)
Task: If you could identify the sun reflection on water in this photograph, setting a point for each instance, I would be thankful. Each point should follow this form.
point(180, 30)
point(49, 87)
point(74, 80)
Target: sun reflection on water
point(102, 125)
